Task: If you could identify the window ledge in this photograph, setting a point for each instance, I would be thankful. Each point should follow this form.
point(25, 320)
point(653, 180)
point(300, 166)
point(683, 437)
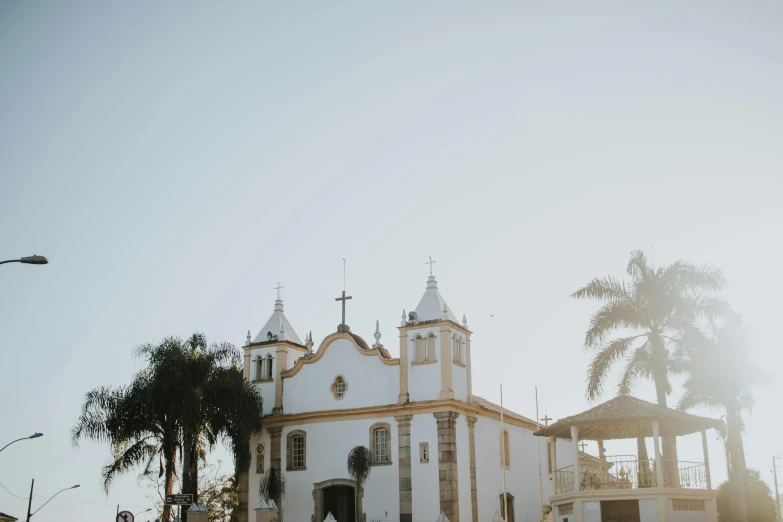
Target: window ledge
point(459, 364)
point(382, 463)
point(421, 363)
point(260, 381)
point(296, 469)
point(424, 461)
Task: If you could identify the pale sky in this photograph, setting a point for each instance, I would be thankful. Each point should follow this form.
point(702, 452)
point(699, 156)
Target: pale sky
point(175, 160)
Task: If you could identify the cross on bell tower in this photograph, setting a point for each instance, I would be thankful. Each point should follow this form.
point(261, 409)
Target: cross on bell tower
point(430, 262)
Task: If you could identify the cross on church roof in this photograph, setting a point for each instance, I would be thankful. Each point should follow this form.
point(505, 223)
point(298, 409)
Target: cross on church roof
point(546, 420)
point(343, 299)
point(582, 446)
point(278, 288)
point(430, 262)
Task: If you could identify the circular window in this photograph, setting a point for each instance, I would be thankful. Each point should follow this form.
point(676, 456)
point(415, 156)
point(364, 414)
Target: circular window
point(339, 387)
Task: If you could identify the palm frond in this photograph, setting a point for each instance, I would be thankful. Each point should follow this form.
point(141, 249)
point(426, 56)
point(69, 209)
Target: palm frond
point(607, 288)
point(638, 365)
point(602, 363)
point(638, 267)
point(611, 317)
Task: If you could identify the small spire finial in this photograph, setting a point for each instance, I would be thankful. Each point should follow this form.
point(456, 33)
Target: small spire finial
point(377, 335)
point(403, 318)
point(309, 342)
point(464, 321)
point(445, 314)
point(278, 288)
point(282, 331)
point(430, 262)
point(248, 338)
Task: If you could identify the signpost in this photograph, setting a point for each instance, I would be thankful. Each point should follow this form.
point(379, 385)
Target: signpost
point(124, 516)
point(185, 499)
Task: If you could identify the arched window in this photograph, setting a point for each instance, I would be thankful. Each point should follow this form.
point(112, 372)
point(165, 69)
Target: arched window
point(339, 387)
point(456, 346)
point(380, 443)
point(431, 347)
point(296, 450)
point(267, 373)
point(259, 458)
point(505, 454)
point(418, 344)
point(259, 368)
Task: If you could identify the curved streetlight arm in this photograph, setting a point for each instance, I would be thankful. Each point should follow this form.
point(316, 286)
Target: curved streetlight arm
point(50, 499)
point(29, 260)
point(33, 436)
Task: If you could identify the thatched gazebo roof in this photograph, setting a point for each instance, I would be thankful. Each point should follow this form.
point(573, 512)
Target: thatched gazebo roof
point(626, 417)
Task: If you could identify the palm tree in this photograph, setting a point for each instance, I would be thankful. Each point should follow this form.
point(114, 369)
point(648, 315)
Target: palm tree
point(272, 486)
point(190, 397)
point(212, 400)
point(136, 422)
point(720, 376)
point(359, 467)
point(651, 313)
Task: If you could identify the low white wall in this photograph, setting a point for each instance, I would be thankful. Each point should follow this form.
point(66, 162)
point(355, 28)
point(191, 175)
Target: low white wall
point(648, 510)
point(591, 512)
point(710, 513)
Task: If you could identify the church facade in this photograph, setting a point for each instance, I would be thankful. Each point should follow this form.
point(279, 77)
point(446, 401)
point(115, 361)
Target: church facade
point(435, 446)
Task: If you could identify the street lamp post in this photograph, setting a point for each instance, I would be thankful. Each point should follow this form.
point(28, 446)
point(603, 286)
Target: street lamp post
point(33, 436)
point(29, 260)
point(30, 503)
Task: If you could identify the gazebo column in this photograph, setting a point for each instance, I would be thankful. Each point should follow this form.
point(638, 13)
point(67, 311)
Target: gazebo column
point(553, 447)
point(658, 463)
point(577, 474)
point(575, 445)
point(706, 458)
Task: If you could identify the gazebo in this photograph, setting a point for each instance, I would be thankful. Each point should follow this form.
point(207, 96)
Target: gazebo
point(624, 488)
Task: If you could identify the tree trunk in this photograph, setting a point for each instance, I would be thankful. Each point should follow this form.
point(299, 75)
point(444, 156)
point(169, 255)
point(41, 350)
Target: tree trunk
point(668, 443)
point(645, 475)
point(187, 464)
point(357, 510)
point(168, 482)
point(737, 458)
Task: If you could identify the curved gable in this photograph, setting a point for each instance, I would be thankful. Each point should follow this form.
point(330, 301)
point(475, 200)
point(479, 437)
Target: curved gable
point(324, 346)
point(368, 378)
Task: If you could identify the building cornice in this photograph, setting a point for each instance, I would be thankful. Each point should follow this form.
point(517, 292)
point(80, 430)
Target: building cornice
point(391, 410)
point(421, 324)
point(266, 344)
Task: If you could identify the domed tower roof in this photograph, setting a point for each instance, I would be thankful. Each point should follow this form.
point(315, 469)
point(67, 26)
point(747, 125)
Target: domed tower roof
point(432, 306)
point(278, 325)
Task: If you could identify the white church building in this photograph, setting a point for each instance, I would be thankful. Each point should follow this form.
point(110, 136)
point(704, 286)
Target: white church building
point(436, 447)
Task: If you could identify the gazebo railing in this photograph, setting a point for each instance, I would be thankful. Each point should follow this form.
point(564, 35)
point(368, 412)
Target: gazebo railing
point(627, 472)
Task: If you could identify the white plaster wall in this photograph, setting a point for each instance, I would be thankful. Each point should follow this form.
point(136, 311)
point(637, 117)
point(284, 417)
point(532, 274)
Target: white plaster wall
point(648, 510)
point(370, 381)
point(463, 469)
point(710, 514)
point(459, 382)
point(591, 511)
point(424, 379)
point(328, 445)
point(521, 479)
point(255, 478)
point(425, 483)
point(267, 390)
